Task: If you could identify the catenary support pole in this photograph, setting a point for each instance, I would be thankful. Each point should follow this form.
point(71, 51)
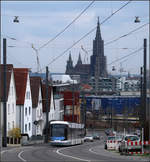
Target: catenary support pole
point(145, 91)
point(4, 97)
point(47, 91)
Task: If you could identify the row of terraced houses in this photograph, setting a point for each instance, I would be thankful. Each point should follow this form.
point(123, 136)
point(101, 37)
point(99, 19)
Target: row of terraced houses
point(26, 101)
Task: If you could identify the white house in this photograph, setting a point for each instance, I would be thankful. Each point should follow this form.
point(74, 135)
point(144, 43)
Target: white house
point(12, 116)
point(24, 100)
point(37, 113)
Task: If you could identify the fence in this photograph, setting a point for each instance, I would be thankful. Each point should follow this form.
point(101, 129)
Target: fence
point(11, 140)
point(145, 147)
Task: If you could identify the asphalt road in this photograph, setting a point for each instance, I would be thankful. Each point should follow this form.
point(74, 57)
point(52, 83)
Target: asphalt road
point(88, 152)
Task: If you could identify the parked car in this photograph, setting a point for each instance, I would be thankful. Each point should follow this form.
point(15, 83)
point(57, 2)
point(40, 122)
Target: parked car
point(110, 132)
point(88, 139)
point(96, 136)
point(125, 147)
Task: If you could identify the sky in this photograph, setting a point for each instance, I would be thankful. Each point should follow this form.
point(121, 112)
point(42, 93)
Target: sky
point(40, 21)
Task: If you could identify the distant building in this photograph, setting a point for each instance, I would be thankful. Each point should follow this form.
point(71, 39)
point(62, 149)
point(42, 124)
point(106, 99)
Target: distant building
point(128, 84)
point(97, 66)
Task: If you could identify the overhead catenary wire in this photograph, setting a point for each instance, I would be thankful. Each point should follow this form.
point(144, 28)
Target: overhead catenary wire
point(66, 27)
point(126, 56)
point(86, 34)
point(131, 32)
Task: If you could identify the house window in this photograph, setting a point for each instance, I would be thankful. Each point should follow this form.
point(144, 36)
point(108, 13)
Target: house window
point(8, 108)
point(29, 126)
point(25, 127)
point(8, 126)
point(28, 95)
point(26, 111)
point(29, 110)
point(13, 108)
point(12, 90)
point(13, 125)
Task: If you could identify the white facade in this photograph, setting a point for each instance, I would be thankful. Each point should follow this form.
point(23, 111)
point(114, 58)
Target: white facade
point(26, 111)
point(37, 116)
point(59, 109)
point(52, 108)
point(127, 84)
point(56, 108)
point(12, 116)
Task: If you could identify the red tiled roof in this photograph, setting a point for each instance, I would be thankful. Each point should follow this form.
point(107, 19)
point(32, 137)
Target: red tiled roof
point(35, 83)
point(9, 68)
point(86, 87)
point(44, 97)
point(21, 82)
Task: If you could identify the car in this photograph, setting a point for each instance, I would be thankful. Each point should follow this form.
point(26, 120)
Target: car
point(126, 147)
point(96, 136)
point(110, 132)
point(88, 139)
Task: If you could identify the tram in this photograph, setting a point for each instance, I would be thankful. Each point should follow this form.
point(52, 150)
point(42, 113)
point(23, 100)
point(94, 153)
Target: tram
point(65, 133)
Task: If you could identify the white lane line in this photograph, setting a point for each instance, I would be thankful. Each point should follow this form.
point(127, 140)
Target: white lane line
point(58, 152)
point(19, 156)
point(93, 151)
point(9, 150)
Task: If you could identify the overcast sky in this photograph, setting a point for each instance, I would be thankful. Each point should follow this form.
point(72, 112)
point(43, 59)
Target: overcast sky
point(41, 21)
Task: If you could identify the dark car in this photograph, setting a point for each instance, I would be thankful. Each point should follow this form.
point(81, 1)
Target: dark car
point(96, 136)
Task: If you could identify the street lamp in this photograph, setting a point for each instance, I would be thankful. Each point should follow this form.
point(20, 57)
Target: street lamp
point(137, 19)
point(16, 19)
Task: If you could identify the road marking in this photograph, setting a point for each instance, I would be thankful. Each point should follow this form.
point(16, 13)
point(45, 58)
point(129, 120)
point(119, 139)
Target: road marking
point(58, 152)
point(9, 150)
point(19, 156)
point(93, 151)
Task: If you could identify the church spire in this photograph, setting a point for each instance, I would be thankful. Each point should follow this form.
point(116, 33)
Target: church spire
point(70, 59)
point(79, 59)
point(98, 32)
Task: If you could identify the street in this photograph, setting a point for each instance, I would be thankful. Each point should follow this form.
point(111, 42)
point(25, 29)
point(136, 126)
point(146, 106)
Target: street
point(88, 152)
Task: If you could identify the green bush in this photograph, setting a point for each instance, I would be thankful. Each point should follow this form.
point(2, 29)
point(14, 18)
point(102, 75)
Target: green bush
point(15, 132)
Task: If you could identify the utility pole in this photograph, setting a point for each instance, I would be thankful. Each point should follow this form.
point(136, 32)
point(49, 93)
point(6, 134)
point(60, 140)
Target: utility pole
point(141, 114)
point(4, 97)
point(47, 91)
point(111, 113)
point(84, 106)
point(73, 102)
point(145, 93)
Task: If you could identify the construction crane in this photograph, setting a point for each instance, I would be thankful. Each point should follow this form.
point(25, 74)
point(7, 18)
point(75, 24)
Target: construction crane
point(37, 58)
point(86, 54)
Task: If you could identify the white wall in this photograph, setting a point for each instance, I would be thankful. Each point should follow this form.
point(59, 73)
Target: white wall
point(11, 106)
point(28, 110)
point(37, 115)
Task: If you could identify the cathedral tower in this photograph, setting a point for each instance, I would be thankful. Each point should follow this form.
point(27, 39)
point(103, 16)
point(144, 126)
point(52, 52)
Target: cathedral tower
point(98, 60)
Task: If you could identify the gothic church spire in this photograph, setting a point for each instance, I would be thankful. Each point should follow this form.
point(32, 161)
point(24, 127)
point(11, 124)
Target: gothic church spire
point(98, 32)
point(79, 60)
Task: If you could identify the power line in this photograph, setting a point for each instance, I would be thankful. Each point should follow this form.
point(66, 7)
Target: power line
point(86, 34)
point(66, 26)
point(126, 56)
point(131, 32)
